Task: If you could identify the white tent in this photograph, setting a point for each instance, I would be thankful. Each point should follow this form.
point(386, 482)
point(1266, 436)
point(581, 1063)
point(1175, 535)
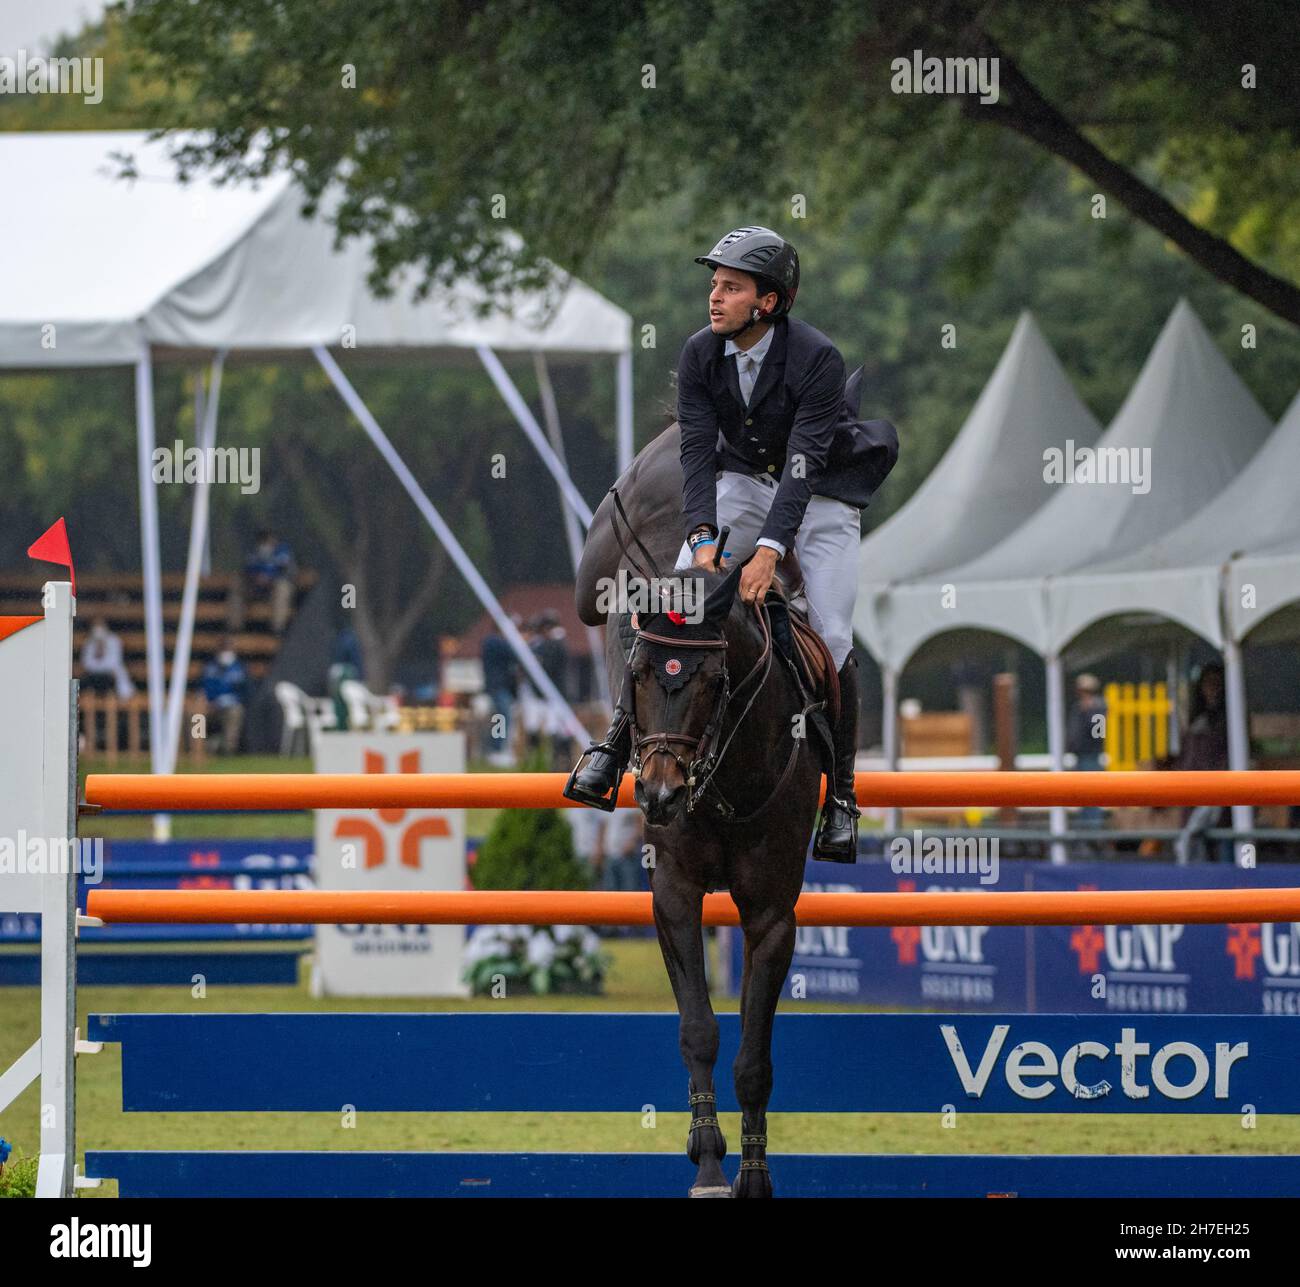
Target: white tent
point(1264, 576)
point(121, 267)
point(99, 270)
point(1195, 575)
point(989, 481)
point(1187, 428)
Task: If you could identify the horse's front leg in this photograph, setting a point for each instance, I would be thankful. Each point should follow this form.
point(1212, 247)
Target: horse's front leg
point(678, 910)
point(769, 945)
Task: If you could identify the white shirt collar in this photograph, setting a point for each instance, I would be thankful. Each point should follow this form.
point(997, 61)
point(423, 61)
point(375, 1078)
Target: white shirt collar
point(758, 352)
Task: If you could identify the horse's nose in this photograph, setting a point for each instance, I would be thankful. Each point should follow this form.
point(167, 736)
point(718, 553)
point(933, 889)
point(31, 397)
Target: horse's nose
point(661, 802)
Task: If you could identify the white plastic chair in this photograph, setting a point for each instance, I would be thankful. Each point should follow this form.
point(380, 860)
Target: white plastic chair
point(357, 698)
point(367, 709)
point(293, 715)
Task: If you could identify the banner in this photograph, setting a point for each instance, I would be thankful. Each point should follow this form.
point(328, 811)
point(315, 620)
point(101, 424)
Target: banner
point(400, 849)
point(1081, 969)
point(1167, 969)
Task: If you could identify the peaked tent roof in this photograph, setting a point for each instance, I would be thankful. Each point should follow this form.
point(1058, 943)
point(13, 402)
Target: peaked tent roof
point(989, 480)
point(1178, 575)
point(1199, 426)
point(1266, 577)
point(150, 261)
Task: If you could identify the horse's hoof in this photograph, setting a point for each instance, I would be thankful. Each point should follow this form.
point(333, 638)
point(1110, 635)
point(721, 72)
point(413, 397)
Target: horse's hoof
point(711, 1191)
point(753, 1183)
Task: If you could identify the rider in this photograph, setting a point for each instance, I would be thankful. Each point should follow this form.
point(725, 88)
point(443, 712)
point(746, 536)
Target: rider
point(772, 450)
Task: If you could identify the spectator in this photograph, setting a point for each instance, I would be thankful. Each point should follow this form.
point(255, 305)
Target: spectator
point(501, 684)
point(1204, 745)
point(345, 663)
point(102, 666)
point(225, 684)
point(617, 855)
point(535, 714)
point(269, 574)
point(587, 826)
point(1085, 736)
point(553, 655)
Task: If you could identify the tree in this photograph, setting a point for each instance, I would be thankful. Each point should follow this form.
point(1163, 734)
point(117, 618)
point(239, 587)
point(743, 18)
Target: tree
point(453, 124)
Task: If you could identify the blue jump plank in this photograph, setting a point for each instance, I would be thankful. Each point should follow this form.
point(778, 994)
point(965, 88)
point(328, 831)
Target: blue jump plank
point(622, 1062)
point(162, 969)
point(667, 1175)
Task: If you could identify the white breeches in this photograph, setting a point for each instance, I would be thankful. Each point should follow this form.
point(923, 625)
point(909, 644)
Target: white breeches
point(826, 545)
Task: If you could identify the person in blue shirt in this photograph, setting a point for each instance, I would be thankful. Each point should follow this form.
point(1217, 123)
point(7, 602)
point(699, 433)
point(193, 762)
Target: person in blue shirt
point(225, 687)
point(269, 573)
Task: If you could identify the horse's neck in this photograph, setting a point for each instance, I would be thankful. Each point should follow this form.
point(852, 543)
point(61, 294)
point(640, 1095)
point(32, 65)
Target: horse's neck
point(770, 720)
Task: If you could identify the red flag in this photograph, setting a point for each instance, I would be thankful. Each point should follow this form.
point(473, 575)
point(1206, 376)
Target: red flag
point(52, 546)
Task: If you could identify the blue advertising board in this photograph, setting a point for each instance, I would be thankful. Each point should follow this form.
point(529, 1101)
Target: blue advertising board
point(1120, 969)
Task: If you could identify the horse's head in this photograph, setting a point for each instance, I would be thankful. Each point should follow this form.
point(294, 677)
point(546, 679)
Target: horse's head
point(681, 683)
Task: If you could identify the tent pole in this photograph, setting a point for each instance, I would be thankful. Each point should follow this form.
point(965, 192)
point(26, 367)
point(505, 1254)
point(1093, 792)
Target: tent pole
point(206, 567)
point(528, 423)
point(889, 731)
point(623, 411)
point(1234, 695)
point(551, 417)
point(1056, 743)
point(1172, 670)
point(205, 434)
point(151, 563)
point(352, 399)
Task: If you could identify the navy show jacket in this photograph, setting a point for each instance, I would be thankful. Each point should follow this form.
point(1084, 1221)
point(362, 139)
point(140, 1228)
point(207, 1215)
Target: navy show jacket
point(801, 409)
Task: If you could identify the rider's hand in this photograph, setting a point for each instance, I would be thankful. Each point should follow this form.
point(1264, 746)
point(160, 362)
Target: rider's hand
point(757, 576)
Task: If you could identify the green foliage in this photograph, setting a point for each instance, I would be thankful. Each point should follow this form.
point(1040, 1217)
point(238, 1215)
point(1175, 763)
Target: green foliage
point(528, 849)
point(18, 1176)
point(466, 120)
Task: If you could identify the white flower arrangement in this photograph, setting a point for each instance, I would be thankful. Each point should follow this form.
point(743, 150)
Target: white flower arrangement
point(543, 958)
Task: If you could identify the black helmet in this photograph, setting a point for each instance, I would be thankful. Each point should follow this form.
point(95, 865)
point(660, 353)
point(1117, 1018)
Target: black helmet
point(765, 255)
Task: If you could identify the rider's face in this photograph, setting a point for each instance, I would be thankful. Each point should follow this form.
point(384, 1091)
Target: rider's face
point(732, 294)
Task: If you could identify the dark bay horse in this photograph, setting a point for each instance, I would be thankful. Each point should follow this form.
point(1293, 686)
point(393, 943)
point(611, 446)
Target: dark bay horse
point(719, 681)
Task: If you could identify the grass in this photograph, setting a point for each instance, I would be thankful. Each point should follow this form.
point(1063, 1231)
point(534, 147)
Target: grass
point(636, 982)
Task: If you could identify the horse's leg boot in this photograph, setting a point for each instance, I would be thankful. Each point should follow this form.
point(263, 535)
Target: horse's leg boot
point(837, 836)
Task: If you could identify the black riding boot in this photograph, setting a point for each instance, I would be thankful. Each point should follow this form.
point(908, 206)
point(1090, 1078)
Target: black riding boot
point(837, 837)
point(596, 783)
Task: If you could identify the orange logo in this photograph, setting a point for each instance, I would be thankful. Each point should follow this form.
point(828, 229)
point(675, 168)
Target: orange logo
point(1243, 945)
point(373, 839)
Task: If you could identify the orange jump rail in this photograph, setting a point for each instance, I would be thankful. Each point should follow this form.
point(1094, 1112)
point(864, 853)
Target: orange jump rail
point(227, 792)
point(570, 907)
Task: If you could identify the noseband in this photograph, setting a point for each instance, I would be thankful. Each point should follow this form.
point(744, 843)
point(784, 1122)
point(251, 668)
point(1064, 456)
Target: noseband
point(704, 759)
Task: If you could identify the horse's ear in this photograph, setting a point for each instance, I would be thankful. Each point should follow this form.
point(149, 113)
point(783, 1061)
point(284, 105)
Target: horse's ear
point(717, 605)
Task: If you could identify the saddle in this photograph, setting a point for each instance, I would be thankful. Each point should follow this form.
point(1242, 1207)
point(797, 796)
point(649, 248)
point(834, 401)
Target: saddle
point(797, 643)
point(804, 650)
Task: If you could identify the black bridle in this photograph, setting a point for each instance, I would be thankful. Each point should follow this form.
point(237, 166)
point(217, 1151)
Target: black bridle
point(705, 756)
